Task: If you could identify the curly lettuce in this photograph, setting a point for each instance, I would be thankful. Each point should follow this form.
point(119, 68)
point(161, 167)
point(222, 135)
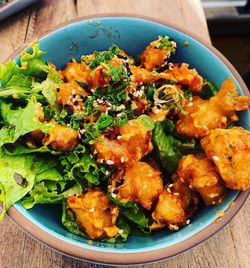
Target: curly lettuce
point(18, 122)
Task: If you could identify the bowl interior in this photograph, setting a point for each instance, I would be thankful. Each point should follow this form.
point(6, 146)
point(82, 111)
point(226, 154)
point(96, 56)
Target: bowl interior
point(132, 35)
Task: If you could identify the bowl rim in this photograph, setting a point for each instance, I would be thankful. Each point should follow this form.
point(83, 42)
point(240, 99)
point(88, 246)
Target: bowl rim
point(148, 256)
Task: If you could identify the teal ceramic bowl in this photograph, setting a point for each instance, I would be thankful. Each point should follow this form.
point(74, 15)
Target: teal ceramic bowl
point(132, 35)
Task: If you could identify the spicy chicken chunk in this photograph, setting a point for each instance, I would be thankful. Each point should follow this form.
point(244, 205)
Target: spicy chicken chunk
point(139, 183)
point(176, 204)
point(229, 149)
point(180, 73)
point(79, 72)
point(72, 95)
point(132, 142)
point(217, 112)
point(61, 138)
point(198, 172)
point(157, 52)
point(95, 214)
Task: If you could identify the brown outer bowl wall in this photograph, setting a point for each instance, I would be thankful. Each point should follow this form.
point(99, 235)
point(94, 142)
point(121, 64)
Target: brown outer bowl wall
point(142, 257)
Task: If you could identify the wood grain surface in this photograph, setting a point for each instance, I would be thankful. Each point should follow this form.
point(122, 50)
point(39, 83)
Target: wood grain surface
point(228, 248)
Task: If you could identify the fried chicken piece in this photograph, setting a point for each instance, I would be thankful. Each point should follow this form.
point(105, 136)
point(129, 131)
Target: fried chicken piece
point(142, 75)
point(198, 172)
point(217, 112)
point(95, 214)
point(229, 149)
point(156, 53)
point(79, 72)
point(61, 138)
point(72, 95)
point(132, 143)
point(180, 74)
point(176, 204)
point(185, 76)
point(139, 183)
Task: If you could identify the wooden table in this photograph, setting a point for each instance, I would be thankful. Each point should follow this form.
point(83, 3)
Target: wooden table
point(228, 248)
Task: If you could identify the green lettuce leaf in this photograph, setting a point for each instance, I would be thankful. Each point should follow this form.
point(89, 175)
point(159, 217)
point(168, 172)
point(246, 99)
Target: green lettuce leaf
point(2, 202)
point(49, 86)
point(11, 75)
point(49, 191)
point(18, 148)
point(166, 148)
point(208, 90)
point(19, 122)
point(17, 176)
point(78, 165)
point(32, 63)
point(133, 212)
point(170, 146)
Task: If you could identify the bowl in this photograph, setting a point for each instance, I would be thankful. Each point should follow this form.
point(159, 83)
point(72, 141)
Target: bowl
point(131, 34)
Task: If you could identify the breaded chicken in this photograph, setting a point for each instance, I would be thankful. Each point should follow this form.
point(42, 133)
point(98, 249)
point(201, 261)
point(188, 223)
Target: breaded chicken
point(198, 172)
point(217, 112)
point(229, 149)
point(180, 73)
point(156, 53)
point(61, 138)
point(139, 183)
point(72, 95)
point(176, 204)
point(79, 72)
point(132, 143)
point(95, 214)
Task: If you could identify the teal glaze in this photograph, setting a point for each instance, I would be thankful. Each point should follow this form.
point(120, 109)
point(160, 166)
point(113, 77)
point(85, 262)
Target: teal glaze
point(132, 35)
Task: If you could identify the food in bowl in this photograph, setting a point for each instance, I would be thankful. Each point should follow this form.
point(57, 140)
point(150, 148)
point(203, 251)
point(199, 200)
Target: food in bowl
point(126, 145)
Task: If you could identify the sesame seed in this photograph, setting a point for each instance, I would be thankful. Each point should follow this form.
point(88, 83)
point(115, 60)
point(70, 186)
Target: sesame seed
point(119, 137)
point(91, 210)
point(176, 194)
point(110, 162)
point(82, 131)
point(150, 175)
point(102, 160)
point(95, 152)
point(107, 172)
point(120, 231)
point(204, 127)
point(73, 92)
point(79, 107)
point(122, 159)
point(168, 189)
point(190, 104)
point(215, 158)
point(170, 185)
point(156, 111)
point(113, 195)
point(188, 221)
